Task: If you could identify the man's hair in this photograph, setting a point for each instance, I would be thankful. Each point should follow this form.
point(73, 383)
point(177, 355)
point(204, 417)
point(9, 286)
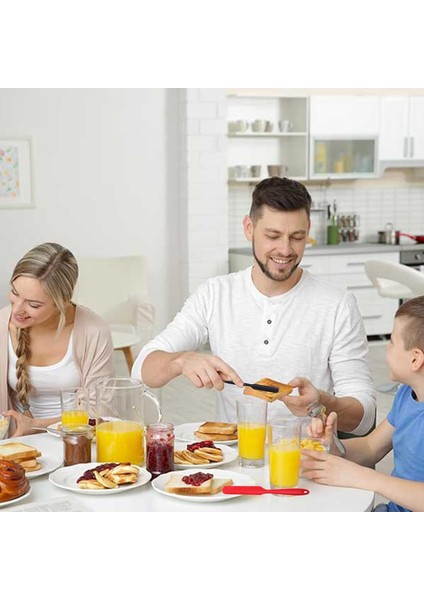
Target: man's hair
point(413, 332)
point(279, 194)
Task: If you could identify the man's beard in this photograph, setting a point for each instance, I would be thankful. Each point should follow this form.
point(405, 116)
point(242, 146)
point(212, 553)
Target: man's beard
point(283, 276)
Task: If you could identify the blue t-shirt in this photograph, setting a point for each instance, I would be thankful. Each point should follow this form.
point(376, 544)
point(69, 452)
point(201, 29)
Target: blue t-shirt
point(407, 417)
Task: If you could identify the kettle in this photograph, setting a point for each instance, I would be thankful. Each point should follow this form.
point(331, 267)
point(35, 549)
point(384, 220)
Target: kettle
point(388, 235)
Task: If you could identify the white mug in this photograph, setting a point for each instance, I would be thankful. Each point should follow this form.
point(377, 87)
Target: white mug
point(285, 126)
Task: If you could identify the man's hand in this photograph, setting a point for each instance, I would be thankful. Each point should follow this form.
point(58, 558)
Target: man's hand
point(205, 370)
point(308, 394)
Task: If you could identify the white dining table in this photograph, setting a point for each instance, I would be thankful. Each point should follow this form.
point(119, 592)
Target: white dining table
point(44, 494)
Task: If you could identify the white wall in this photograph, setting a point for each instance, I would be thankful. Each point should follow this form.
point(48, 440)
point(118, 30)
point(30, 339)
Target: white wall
point(105, 165)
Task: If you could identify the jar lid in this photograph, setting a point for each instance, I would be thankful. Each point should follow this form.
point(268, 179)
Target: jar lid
point(160, 426)
point(78, 429)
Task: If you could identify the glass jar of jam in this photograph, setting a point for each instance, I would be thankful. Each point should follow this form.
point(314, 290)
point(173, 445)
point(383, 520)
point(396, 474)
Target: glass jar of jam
point(77, 444)
point(159, 448)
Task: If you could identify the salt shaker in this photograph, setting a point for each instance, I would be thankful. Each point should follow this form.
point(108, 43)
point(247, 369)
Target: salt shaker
point(159, 448)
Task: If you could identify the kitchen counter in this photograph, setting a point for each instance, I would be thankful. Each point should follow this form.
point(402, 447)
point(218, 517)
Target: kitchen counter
point(344, 248)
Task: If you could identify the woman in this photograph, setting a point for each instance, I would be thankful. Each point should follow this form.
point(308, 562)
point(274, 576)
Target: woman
point(47, 343)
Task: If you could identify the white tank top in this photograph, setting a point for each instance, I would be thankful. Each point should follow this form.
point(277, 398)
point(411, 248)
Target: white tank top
point(46, 383)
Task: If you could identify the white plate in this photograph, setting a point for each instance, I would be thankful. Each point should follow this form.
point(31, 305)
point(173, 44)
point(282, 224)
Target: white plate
point(53, 429)
point(3, 504)
point(185, 433)
point(48, 464)
point(66, 478)
point(230, 454)
point(159, 483)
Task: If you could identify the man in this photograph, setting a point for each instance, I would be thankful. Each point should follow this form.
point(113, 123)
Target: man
point(272, 320)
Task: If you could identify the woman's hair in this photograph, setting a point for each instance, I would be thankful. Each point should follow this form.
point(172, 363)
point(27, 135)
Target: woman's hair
point(413, 332)
point(56, 269)
point(279, 194)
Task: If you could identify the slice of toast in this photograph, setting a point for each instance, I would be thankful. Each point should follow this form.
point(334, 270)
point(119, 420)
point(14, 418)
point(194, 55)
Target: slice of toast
point(218, 427)
point(17, 450)
point(283, 390)
point(218, 484)
point(176, 485)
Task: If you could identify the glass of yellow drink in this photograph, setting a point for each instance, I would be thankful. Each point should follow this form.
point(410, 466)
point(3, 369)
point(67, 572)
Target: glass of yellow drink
point(75, 406)
point(284, 451)
point(251, 420)
point(120, 404)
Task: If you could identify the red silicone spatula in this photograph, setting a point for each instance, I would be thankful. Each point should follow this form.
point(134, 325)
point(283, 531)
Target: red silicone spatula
point(257, 490)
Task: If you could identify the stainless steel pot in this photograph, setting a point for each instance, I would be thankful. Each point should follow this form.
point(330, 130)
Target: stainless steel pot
point(388, 235)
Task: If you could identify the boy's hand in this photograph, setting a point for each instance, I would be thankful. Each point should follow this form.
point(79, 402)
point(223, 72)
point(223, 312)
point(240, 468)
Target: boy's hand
point(331, 470)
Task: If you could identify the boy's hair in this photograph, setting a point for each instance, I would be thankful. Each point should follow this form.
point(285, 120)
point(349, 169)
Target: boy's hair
point(279, 194)
point(413, 332)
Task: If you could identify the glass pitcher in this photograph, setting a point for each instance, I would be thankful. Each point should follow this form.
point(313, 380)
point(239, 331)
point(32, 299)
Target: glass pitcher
point(120, 404)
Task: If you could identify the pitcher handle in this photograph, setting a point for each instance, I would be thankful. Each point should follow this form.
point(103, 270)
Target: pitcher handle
point(155, 402)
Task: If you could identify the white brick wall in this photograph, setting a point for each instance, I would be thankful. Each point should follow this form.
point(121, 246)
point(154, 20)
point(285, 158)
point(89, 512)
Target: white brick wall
point(204, 191)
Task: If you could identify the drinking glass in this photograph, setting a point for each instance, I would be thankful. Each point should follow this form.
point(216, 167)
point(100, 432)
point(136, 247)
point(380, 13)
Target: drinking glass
point(251, 418)
point(75, 406)
point(284, 451)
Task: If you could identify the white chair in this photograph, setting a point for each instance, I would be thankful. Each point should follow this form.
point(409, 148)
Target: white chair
point(115, 288)
point(395, 281)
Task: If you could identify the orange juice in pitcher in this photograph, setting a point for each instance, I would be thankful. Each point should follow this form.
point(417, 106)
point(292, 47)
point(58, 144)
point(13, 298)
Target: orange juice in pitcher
point(120, 441)
point(120, 420)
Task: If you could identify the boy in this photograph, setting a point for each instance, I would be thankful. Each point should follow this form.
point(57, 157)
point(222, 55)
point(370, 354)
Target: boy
point(402, 430)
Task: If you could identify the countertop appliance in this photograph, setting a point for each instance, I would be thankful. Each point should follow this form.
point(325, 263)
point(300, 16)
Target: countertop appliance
point(413, 258)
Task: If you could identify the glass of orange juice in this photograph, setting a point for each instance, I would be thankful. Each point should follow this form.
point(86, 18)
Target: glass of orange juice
point(75, 406)
point(284, 451)
point(251, 427)
point(120, 404)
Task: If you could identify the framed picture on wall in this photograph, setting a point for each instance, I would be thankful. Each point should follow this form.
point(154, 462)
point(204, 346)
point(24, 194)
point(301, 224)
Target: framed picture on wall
point(15, 173)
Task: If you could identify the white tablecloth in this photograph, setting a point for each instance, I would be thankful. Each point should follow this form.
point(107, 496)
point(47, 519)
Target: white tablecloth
point(321, 498)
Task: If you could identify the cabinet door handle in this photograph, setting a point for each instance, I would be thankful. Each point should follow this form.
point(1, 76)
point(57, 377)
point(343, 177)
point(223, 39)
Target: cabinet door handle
point(411, 147)
point(355, 264)
point(360, 287)
point(306, 266)
point(371, 317)
point(405, 147)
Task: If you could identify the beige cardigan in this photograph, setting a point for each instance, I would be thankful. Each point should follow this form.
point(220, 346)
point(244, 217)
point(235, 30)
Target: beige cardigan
point(92, 350)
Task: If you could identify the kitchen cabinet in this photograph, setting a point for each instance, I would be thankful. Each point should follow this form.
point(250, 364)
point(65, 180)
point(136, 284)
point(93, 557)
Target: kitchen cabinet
point(401, 138)
point(346, 271)
point(267, 131)
point(348, 115)
point(343, 137)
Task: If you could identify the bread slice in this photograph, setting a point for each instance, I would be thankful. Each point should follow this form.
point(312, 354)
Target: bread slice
point(218, 427)
point(283, 390)
point(215, 437)
point(218, 484)
point(17, 450)
point(176, 485)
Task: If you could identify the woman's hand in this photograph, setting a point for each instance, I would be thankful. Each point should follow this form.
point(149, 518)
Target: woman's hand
point(23, 424)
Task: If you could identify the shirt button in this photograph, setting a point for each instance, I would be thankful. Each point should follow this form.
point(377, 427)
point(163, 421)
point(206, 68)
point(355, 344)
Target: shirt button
point(266, 342)
point(269, 321)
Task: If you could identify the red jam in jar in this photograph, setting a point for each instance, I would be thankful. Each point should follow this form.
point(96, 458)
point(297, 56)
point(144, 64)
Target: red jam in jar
point(159, 448)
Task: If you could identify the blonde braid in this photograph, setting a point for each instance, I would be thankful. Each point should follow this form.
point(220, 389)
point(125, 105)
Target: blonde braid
point(23, 385)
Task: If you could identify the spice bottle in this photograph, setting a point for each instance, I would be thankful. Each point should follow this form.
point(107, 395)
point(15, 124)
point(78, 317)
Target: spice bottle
point(77, 444)
point(159, 448)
